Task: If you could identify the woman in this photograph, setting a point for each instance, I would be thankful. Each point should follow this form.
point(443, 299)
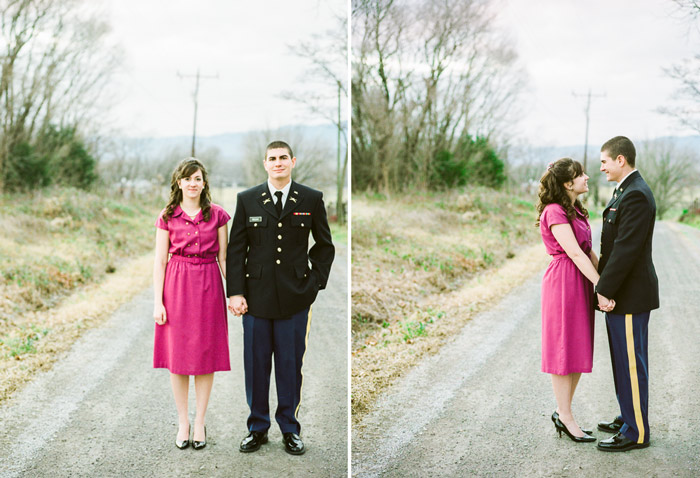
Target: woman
point(191, 336)
point(567, 288)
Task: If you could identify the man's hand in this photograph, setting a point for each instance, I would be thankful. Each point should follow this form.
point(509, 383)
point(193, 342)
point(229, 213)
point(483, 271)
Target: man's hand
point(237, 305)
point(605, 304)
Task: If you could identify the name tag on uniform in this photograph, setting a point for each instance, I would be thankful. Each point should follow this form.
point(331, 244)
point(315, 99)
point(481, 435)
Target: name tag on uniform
point(255, 219)
point(302, 213)
point(613, 209)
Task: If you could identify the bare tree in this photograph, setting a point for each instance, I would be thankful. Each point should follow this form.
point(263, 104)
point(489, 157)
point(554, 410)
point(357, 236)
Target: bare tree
point(55, 65)
point(669, 171)
point(325, 94)
point(312, 167)
point(427, 75)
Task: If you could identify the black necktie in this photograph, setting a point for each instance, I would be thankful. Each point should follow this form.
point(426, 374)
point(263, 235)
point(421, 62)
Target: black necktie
point(278, 204)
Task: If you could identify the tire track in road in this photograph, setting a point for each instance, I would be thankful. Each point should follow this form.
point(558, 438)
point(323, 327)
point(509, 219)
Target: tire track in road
point(481, 406)
point(103, 411)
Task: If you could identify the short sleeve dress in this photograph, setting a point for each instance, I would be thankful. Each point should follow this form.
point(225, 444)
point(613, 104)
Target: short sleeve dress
point(194, 338)
point(567, 299)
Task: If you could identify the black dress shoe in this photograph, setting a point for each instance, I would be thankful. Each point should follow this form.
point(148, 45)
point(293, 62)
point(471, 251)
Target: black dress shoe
point(611, 427)
point(253, 441)
point(619, 442)
point(182, 444)
point(293, 444)
point(562, 428)
point(198, 445)
point(555, 417)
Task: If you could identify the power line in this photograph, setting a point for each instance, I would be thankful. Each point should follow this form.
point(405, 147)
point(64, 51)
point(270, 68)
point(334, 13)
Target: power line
point(195, 94)
point(588, 97)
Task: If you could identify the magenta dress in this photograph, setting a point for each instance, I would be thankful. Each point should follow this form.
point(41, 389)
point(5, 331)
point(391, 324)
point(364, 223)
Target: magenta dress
point(567, 300)
point(194, 338)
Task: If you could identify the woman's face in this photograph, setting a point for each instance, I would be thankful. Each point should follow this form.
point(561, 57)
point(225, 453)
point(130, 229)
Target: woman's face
point(580, 184)
point(193, 185)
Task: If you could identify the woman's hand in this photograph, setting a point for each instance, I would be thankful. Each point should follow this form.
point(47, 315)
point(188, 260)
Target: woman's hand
point(159, 314)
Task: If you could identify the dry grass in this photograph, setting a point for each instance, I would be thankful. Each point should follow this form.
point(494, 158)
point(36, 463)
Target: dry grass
point(62, 326)
point(62, 244)
point(423, 265)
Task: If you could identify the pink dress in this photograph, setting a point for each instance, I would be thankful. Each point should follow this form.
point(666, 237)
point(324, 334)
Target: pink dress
point(194, 338)
point(567, 300)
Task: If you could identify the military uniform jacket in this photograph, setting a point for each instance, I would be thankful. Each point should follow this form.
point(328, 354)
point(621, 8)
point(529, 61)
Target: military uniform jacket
point(626, 270)
point(267, 259)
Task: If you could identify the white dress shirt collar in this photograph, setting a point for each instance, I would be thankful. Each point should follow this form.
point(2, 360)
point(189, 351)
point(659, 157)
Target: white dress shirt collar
point(621, 182)
point(285, 191)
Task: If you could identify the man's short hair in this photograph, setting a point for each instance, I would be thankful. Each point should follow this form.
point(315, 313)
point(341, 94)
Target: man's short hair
point(620, 145)
point(279, 144)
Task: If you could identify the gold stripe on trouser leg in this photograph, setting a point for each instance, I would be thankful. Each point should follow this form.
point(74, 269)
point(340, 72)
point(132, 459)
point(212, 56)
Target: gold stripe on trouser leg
point(306, 347)
point(634, 381)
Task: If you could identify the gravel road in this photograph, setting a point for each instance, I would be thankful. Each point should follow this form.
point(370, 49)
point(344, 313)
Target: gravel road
point(103, 411)
point(481, 407)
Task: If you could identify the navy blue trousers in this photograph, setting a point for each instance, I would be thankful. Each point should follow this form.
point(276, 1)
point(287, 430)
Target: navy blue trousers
point(284, 340)
point(628, 339)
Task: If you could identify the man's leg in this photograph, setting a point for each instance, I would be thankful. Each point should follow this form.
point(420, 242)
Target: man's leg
point(257, 361)
point(629, 338)
point(290, 339)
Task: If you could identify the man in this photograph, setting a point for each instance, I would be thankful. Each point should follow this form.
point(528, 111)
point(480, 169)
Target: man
point(270, 283)
point(627, 276)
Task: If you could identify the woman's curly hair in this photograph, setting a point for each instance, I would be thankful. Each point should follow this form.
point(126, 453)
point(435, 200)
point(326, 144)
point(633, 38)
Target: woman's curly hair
point(552, 188)
point(185, 169)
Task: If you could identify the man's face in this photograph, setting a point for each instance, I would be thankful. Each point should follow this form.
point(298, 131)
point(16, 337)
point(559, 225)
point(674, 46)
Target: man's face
point(612, 167)
point(279, 164)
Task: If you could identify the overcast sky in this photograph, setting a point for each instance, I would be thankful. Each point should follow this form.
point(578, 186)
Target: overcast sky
point(245, 43)
point(614, 47)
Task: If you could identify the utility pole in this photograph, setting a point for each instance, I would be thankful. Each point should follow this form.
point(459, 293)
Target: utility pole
point(585, 147)
point(340, 179)
point(195, 94)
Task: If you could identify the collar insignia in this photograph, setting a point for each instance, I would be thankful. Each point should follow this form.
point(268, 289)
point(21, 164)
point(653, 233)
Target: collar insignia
point(267, 201)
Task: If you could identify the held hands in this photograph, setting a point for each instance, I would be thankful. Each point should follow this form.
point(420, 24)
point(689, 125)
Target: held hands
point(159, 314)
point(237, 305)
point(605, 304)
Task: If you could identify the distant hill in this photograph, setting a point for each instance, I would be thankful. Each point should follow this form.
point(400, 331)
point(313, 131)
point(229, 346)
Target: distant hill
point(231, 145)
point(546, 154)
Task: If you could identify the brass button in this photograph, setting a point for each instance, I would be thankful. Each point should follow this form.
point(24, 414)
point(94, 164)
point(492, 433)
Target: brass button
point(279, 237)
point(302, 224)
point(279, 224)
point(279, 249)
point(188, 233)
point(195, 243)
point(255, 224)
point(196, 232)
point(247, 275)
point(278, 261)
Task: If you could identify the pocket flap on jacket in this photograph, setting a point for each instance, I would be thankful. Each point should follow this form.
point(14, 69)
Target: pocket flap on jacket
point(253, 271)
point(301, 220)
point(256, 221)
point(302, 270)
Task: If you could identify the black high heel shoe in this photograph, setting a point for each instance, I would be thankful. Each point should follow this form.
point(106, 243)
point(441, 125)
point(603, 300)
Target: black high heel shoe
point(182, 444)
point(562, 428)
point(555, 417)
point(198, 445)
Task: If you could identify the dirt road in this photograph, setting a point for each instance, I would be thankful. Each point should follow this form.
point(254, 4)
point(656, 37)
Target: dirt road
point(103, 411)
point(481, 407)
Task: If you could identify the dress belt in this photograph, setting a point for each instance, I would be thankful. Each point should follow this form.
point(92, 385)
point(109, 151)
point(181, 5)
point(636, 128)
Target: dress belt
point(193, 260)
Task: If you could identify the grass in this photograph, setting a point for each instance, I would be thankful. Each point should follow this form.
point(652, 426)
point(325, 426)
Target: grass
point(422, 266)
point(60, 244)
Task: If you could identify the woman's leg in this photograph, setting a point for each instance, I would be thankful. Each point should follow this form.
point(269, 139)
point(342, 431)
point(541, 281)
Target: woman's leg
point(181, 385)
point(575, 377)
point(563, 392)
point(202, 389)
